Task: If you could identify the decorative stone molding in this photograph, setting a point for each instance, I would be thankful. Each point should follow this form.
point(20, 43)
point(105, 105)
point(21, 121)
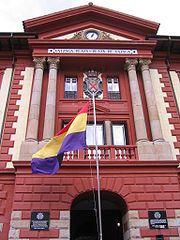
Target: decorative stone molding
point(130, 64)
point(144, 64)
point(53, 62)
point(39, 62)
point(101, 35)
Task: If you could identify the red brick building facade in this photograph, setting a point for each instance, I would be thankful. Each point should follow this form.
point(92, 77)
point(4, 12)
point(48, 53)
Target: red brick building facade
point(43, 72)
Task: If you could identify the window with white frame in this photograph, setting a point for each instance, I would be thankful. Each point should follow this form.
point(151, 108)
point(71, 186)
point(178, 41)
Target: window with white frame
point(90, 138)
point(70, 90)
point(113, 88)
point(119, 134)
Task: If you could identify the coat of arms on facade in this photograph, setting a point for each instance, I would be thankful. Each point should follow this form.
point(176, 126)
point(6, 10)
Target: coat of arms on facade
point(92, 84)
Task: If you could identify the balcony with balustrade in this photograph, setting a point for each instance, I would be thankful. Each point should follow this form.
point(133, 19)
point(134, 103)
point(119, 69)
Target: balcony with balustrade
point(106, 153)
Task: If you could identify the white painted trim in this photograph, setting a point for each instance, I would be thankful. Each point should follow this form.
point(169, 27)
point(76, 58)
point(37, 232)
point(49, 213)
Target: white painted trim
point(4, 91)
point(176, 86)
point(22, 114)
point(163, 115)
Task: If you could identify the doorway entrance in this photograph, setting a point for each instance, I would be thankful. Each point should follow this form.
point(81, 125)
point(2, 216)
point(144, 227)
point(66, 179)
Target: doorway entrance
point(84, 216)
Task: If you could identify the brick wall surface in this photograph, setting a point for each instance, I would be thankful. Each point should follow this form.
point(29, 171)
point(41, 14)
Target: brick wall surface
point(172, 108)
point(6, 200)
point(141, 192)
point(11, 118)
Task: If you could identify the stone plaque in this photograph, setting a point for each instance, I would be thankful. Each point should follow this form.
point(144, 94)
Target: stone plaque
point(159, 237)
point(40, 220)
point(158, 220)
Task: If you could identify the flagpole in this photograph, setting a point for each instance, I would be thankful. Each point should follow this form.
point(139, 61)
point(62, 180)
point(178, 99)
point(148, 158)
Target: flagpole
point(97, 170)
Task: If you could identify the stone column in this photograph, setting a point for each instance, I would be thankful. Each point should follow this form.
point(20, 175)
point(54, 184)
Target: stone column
point(151, 102)
point(140, 127)
point(49, 120)
point(108, 132)
point(33, 119)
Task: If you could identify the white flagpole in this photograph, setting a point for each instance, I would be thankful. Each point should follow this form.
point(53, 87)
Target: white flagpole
point(97, 170)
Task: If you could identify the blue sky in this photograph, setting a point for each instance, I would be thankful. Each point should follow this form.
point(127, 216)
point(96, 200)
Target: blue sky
point(13, 12)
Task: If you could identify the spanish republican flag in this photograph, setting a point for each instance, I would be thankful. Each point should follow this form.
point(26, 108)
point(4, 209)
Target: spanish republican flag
point(70, 138)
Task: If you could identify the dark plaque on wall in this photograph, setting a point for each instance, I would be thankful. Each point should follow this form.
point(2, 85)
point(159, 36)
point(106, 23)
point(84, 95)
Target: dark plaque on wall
point(157, 220)
point(40, 220)
point(159, 237)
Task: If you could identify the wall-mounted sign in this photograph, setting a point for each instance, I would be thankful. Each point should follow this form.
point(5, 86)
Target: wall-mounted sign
point(159, 237)
point(157, 219)
point(40, 220)
point(93, 51)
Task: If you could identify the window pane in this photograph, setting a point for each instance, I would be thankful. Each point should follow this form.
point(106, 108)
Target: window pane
point(90, 134)
point(119, 137)
point(116, 87)
point(68, 80)
point(67, 86)
point(70, 88)
point(110, 87)
point(74, 86)
point(71, 84)
point(112, 84)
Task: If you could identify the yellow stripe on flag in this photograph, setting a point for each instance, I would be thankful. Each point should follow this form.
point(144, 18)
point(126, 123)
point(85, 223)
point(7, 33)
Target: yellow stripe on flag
point(79, 124)
point(51, 148)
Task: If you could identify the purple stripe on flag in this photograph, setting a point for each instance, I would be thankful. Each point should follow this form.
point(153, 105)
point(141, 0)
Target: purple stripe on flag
point(45, 166)
point(73, 141)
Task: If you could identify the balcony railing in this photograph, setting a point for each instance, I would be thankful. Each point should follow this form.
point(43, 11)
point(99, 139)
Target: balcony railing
point(70, 94)
point(114, 95)
point(109, 153)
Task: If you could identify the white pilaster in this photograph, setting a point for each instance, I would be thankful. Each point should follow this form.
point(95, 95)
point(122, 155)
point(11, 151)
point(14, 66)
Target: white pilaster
point(49, 120)
point(151, 102)
point(33, 120)
point(4, 91)
point(141, 133)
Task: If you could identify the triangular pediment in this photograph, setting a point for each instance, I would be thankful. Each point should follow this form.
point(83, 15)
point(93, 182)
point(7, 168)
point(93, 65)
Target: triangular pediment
point(91, 34)
point(65, 24)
